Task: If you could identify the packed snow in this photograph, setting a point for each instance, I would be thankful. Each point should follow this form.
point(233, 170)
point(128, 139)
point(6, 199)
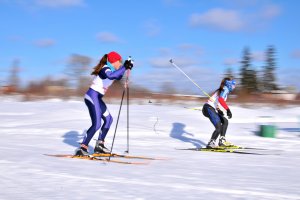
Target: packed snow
point(31, 129)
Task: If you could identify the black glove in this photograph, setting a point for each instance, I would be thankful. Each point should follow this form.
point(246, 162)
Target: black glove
point(128, 64)
point(229, 114)
point(220, 112)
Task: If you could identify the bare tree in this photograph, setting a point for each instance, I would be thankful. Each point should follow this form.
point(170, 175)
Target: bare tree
point(77, 69)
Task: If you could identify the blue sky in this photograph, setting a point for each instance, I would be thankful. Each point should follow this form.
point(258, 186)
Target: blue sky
point(203, 37)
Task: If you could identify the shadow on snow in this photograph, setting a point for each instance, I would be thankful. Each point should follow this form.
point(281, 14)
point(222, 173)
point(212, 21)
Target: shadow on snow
point(73, 138)
point(179, 133)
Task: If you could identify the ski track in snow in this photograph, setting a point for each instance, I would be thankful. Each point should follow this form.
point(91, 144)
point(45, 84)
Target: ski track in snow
point(31, 129)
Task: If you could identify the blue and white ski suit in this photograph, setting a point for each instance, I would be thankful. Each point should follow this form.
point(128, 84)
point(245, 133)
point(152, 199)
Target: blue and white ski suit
point(97, 108)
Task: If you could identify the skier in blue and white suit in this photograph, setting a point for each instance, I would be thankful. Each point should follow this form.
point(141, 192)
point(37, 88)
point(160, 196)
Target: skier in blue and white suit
point(212, 111)
point(110, 68)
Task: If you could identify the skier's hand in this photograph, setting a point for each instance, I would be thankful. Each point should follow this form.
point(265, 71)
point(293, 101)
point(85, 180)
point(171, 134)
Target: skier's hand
point(220, 112)
point(128, 64)
point(229, 114)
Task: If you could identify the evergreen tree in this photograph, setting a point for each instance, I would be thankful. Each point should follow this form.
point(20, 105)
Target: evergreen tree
point(229, 72)
point(253, 81)
point(269, 82)
point(244, 68)
point(14, 79)
point(248, 75)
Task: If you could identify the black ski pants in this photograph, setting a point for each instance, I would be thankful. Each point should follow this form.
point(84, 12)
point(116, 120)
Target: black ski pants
point(219, 121)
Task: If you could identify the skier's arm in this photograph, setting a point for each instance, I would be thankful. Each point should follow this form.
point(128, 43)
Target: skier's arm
point(222, 101)
point(113, 75)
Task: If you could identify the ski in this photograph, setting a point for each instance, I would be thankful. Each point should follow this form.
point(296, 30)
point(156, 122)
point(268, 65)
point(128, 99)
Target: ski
point(229, 150)
point(239, 147)
point(90, 157)
point(195, 108)
point(125, 156)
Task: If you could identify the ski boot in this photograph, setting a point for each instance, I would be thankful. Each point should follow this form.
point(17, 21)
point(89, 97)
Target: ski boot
point(82, 151)
point(211, 144)
point(100, 148)
point(224, 143)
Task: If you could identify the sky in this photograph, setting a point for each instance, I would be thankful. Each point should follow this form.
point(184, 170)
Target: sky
point(203, 38)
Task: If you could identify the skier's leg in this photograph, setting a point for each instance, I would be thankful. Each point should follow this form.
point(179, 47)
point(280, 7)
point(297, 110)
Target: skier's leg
point(91, 101)
point(107, 121)
point(213, 116)
point(95, 111)
point(224, 126)
point(222, 141)
point(217, 132)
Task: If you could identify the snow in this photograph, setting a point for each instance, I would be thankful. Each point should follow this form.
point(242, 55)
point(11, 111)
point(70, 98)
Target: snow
point(31, 129)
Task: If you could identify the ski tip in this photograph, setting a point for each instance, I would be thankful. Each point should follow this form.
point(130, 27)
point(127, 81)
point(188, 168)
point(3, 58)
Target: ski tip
point(127, 162)
point(60, 155)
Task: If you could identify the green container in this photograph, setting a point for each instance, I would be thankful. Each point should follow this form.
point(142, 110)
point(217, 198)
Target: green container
point(268, 131)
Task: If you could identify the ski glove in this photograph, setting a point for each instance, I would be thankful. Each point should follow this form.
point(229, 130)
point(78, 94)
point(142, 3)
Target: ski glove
point(229, 114)
point(128, 64)
point(220, 112)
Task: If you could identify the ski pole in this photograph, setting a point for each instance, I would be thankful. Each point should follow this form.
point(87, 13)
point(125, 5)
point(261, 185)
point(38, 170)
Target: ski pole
point(171, 61)
point(112, 145)
point(127, 88)
point(123, 94)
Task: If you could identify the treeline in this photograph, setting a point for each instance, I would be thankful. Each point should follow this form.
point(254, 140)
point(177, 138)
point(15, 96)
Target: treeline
point(252, 80)
point(75, 82)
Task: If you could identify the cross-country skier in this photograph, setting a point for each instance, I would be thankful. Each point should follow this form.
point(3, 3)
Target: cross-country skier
point(110, 68)
point(212, 111)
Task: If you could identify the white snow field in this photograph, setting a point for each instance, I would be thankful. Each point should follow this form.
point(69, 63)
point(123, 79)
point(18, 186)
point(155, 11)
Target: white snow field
point(31, 129)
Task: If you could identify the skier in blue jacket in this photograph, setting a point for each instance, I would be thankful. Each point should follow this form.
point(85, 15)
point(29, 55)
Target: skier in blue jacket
point(212, 111)
point(110, 68)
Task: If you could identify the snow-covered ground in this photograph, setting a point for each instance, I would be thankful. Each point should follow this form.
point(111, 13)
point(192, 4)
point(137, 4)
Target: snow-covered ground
point(29, 130)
